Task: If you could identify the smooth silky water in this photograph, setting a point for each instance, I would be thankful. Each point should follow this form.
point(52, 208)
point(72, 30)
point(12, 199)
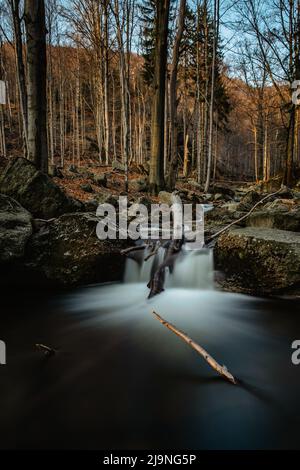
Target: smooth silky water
point(120, 379)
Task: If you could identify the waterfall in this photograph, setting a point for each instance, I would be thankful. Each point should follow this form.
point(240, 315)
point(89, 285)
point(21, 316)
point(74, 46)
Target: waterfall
point(193, 269)
point(132, 271)
point(139, 270)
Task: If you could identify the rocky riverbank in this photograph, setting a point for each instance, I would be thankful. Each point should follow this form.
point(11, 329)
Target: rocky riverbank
point(260, 254)
point(48, 236)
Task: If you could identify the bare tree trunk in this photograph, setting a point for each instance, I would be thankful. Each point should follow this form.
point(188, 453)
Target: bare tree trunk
point(296, 137)
point(15, 8)
point(216, 152)
point(113, 118)
point(76, 112)
point(106, 88)
point(205, 110)
point(172, 173)
point(156, 177)
point(266, 143)
point(2, 132)
point(62, 121)
point(50, 112)
point(124, 90)
point(167, 129)
point(212, 96)
point(255, 153)
point(37, 90)
point(186, 156)
point(199, 106)
point(288, 176)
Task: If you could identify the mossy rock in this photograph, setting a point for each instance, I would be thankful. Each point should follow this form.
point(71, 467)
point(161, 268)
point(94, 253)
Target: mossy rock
point(35, 191)
point(260, 260)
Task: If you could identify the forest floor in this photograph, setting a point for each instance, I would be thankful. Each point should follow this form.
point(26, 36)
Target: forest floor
point(75, 182)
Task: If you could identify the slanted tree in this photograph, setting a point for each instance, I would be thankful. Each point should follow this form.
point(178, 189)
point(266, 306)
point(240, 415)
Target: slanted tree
point(36, 88)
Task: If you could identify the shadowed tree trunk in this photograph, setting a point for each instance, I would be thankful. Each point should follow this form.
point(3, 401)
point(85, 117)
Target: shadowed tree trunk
point(106, 81)
point(212, 95)
point(172, 173)
point(36, 87)
point(15, 9)
point(156, 177)
point(288, 174)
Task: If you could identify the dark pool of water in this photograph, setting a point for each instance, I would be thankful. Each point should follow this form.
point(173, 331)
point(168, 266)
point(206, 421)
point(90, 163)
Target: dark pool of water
point(121, 380)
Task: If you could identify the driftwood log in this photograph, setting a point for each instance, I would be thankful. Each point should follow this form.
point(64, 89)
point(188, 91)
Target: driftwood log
point(222, 370)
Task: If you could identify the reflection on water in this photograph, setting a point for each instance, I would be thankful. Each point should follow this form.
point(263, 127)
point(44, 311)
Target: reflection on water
point(121, 380)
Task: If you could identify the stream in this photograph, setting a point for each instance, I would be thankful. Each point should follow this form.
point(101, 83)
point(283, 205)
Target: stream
point(121, 380)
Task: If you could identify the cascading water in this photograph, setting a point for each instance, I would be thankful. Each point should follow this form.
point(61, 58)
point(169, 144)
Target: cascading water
point(192, 269)
point(139, 269)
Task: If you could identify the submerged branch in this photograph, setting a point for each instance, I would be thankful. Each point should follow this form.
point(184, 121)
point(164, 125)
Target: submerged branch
point(222, 370)
point(46, 350)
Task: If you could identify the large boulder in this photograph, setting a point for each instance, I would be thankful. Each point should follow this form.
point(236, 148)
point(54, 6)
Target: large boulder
point(100, 180)
point(118, 166)
point(248, 201)
point(138, 185)
point(87, 188)
point(276, 215)
point(260, 260)
point(35, 191)
point(164, 197)
point(196, 186)
point(107, 198)
point(67, 251)
point(222, 189)
point(15, 229)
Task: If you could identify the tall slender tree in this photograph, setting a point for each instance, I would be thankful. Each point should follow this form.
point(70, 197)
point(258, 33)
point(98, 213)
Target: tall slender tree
point(172, 173)
point(156, 176)
point(212, 94)
point(18, 42)
point(36, 88)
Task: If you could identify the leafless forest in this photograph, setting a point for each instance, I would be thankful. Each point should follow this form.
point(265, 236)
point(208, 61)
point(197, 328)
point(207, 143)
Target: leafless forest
point(186, 89)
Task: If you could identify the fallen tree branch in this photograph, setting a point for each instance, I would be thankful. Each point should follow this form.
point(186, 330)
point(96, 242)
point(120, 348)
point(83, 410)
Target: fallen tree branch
point(243, 217)
point(157, 281)
point(132, 249)
point(45, 349)
point(222, 370)
point(153, 252)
